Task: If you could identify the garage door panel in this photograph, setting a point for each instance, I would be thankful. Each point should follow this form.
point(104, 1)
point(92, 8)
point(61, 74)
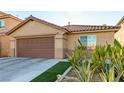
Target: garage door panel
point(36, 47)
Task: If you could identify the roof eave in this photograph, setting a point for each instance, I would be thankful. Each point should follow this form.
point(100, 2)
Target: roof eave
point(10, 16)
point(120, 21)
point(48, 23)
point(96, 31)
point(16, 27)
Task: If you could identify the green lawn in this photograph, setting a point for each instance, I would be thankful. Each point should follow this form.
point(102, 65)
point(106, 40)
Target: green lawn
point(51, 74)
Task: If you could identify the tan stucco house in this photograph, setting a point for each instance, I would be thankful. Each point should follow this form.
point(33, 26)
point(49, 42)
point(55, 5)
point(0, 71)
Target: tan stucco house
point(34, 37)
point(120, 33)
point(7, 22)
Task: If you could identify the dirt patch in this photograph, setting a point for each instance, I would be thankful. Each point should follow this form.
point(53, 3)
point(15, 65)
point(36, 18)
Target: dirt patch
point(71, 77)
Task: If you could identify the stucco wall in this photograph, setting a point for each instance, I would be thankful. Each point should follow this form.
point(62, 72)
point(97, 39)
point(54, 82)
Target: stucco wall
point(9, 24)
point(59, 46)
point(5, 45)
point(101, 38)
point(65, 45)
point(5, 40)
point(35, 28)
point(120, 34)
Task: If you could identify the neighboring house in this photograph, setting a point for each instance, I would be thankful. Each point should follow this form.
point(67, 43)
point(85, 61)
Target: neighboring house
point(37, 38)
point(7, 22)
point(120, 34)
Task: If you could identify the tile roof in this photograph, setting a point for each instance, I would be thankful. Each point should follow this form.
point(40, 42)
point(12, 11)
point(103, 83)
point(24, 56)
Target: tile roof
point(77, 28)
point(10, 16)
point(120, 21)
point(68, 28)
point(4, 15)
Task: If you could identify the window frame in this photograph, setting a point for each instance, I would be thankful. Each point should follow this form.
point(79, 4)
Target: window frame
point(1, 23)
point(93, 43)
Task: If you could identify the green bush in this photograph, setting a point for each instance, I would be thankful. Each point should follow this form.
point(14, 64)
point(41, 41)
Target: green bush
point(107, 61)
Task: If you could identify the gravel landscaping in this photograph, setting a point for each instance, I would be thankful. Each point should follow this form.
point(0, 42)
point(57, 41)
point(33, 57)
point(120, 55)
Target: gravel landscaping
point(70, 77)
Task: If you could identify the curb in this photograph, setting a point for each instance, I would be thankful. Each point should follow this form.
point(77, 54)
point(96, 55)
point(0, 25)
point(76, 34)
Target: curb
point(60, 77)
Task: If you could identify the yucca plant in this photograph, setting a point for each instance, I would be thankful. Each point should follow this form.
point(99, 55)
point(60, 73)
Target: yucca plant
point(119, 60)
point(106, 61)
point(104, 69)
point(83, 67)
point(110, 63)
point(107, 73)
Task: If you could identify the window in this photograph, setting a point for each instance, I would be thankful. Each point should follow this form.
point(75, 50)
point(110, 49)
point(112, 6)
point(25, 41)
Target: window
point(2, 23)
point(83, 40)
point(88, 41)
point(91, 39)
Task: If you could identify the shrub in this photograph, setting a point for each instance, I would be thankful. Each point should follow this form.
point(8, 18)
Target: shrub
point(107, 61)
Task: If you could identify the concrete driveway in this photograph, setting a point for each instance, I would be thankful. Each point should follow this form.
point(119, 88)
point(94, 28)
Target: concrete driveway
point(23, 69)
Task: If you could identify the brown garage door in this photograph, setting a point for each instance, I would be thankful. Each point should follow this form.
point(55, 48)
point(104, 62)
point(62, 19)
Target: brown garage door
point(36, 47)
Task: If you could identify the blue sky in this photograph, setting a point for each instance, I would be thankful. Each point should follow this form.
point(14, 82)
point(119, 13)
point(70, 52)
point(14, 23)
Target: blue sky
point(63, 17)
